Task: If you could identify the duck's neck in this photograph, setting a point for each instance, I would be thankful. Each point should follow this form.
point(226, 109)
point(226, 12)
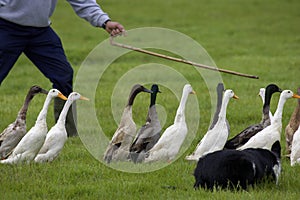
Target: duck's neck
point(267, 98)
point(180, 110)
point(23, 110)
point(132, 97)
point(218, 108)
point(278, 114)
point(64, 112)
point(266, 115)
point(153, 99)
point(43, 113)
point(296, 114)
point(263, 100)
point(266, 106)
point(126, 115)
point(222, 114)
point(298, 107)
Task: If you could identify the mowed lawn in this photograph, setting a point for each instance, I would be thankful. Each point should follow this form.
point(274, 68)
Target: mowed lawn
point(254, 37)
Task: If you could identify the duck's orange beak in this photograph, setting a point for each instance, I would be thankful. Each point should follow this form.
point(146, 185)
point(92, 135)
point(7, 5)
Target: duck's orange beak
point(296, 96)
point(235, 97)
point(63, 97)
point(84, 98)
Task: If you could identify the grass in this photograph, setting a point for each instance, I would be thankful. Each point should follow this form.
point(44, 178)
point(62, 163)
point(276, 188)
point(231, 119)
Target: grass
point(255, 37)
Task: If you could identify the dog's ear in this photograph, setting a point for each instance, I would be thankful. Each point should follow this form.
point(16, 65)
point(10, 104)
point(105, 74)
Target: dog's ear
point(276, 148)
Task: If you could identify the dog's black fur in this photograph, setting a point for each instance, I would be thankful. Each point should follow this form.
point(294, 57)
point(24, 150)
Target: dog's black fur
point(236, 169)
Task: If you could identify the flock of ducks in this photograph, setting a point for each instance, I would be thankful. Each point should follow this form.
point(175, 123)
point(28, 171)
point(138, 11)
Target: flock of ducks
point(14, 132)
point(39, 145)
point(148, 144)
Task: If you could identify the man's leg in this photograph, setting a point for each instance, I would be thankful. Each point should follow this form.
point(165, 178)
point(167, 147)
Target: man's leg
point(12, 43)
point(46, 52)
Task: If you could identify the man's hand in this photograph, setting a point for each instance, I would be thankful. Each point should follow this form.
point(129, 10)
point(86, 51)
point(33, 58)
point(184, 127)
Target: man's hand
point(114, 28)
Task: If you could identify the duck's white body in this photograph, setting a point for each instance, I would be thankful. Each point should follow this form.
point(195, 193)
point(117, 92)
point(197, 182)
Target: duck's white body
point(263, 138)
point(268, 136)
point(54, 142)
point(262, 94)
point(57, 136)
point(215, 138)
point(31, 143)
point(168, 146)
point(295, 150)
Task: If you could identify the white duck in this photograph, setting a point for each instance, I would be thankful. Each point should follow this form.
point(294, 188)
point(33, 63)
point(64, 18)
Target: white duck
point(266, 137)
point(295, 149)
point(14, 132)
point(118, 147)
point(57, 136)
point(168, 146)
point(215, 138)
point(31, 143)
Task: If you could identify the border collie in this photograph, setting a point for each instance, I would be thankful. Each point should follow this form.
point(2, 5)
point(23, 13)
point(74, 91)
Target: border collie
point(230, 168)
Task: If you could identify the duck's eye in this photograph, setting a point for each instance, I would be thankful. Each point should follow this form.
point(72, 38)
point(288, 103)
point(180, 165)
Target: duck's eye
point(289, 91)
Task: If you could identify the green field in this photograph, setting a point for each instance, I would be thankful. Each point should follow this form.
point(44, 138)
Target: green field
point(254, 37)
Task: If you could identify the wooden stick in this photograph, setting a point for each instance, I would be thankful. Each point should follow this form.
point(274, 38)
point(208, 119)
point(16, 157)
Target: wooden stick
point(112, 42)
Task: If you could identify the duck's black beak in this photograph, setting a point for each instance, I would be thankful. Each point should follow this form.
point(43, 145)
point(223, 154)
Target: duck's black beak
point(43, 91)
point(146, 90)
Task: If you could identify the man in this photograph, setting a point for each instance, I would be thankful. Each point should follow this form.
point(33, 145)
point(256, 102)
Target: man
point(25, 28)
